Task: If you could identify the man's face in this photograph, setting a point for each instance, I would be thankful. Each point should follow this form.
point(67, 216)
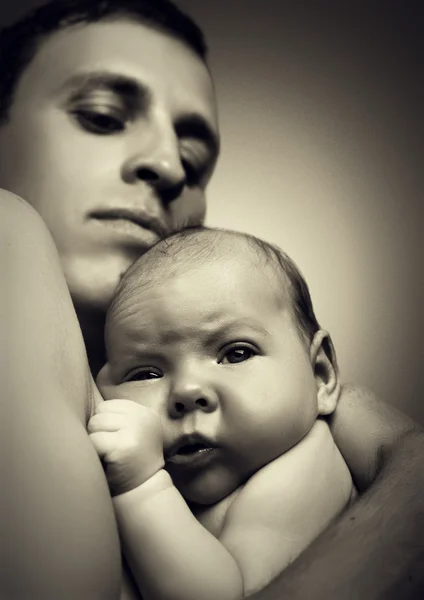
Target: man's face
point(112, 138)
point(219, 358)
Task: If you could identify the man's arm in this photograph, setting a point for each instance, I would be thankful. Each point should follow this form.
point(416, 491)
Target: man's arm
point(58, 533)
point(375, 550)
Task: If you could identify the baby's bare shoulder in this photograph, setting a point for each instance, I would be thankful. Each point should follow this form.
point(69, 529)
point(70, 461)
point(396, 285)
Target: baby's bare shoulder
point(285, 506)
point(302, 489)
point(213, 517)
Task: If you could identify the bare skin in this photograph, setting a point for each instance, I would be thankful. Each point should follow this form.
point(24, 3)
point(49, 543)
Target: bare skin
point(60, 507)
point(190, 365)
point(112, 150)
point(48, 377)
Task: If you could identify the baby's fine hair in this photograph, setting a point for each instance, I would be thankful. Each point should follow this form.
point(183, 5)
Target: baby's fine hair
point(195, 245)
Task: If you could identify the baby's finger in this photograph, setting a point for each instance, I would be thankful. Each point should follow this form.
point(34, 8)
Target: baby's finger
point(104, 442)
point(106, 422)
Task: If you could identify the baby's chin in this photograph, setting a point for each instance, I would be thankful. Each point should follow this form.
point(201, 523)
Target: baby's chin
point(207, 490)
point(206, 498)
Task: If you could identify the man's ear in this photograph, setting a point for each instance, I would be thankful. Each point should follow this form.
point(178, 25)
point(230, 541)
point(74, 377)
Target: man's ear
point(324, 364)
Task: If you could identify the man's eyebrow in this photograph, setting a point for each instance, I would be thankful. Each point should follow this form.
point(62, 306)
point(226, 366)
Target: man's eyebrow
point(126, 87)
point(135, 93)
point(191, 124)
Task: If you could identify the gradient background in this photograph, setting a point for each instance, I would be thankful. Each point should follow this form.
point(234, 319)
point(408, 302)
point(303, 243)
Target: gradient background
point(320, 119)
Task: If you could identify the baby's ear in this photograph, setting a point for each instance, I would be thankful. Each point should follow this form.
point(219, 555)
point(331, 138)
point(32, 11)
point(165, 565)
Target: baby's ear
point(324, 364)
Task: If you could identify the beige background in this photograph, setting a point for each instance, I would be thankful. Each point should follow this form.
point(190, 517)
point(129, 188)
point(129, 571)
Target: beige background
point(319, 118)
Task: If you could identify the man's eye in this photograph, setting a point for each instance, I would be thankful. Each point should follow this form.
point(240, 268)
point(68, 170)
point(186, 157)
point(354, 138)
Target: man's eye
point(196, 161)
point(193, 175)
point(144, 374)
point(99, 122)
point(237, 354)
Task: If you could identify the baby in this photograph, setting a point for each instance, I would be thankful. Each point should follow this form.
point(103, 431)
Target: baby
point(218, 455)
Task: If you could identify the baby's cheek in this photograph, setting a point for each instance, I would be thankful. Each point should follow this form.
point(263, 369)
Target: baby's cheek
point(126, 391)
point(107, 385)
point(110, 392)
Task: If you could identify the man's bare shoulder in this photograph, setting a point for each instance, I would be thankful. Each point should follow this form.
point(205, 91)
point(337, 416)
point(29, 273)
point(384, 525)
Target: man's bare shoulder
point(21, 226)
point(13, 205)
point(38, 317)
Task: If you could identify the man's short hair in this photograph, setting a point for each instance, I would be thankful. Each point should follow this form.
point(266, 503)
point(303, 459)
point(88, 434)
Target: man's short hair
point(19, 43)
point(186, 244)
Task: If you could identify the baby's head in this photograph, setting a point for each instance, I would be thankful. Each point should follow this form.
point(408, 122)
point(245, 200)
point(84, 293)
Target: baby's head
point(215, 331)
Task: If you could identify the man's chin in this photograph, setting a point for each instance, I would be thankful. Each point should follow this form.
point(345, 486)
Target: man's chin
point(92, 323)
point(92, 286)
point(91, 300)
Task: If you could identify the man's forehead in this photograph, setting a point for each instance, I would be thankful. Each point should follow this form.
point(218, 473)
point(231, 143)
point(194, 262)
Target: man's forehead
point(130, 49)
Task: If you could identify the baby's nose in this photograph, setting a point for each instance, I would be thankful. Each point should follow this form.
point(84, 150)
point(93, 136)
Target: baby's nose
point(189, 397)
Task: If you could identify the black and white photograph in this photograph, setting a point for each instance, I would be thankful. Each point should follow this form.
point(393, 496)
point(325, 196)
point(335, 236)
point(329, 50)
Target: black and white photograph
point(211, 302)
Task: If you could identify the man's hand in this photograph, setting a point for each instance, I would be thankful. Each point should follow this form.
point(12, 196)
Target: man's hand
point(128, 439)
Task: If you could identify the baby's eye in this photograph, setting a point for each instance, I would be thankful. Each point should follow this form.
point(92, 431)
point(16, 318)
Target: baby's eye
point(237, 354)
point(100, 122)
point(144, 374)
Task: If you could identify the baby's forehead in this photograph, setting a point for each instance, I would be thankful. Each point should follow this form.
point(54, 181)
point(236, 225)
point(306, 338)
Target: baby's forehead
point(168, 292)
point(212, 253)
point(217, 277)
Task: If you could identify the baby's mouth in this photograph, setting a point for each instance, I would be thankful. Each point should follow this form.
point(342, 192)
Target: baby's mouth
point(191, 450)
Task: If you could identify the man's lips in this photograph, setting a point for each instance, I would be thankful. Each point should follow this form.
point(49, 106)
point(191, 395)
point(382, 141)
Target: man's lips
point(135, 216)
point(191, 450)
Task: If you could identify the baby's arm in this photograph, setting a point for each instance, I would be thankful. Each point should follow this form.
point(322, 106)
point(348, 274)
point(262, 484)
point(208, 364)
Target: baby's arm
point(279, 511)
point(171, 555)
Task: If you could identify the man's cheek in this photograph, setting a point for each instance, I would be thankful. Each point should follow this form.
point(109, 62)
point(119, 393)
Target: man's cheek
point(189, 210)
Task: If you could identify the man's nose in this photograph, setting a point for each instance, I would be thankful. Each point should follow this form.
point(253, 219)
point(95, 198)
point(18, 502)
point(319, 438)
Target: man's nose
point(154, 159)
point(188, 396)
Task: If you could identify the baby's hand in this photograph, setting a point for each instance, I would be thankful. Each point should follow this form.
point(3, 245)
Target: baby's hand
point(128, 438)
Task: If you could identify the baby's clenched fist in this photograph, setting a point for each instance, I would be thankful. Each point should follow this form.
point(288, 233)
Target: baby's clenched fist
point(128, 438)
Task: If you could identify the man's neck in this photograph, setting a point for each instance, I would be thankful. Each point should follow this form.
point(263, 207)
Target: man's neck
point(92, 325)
